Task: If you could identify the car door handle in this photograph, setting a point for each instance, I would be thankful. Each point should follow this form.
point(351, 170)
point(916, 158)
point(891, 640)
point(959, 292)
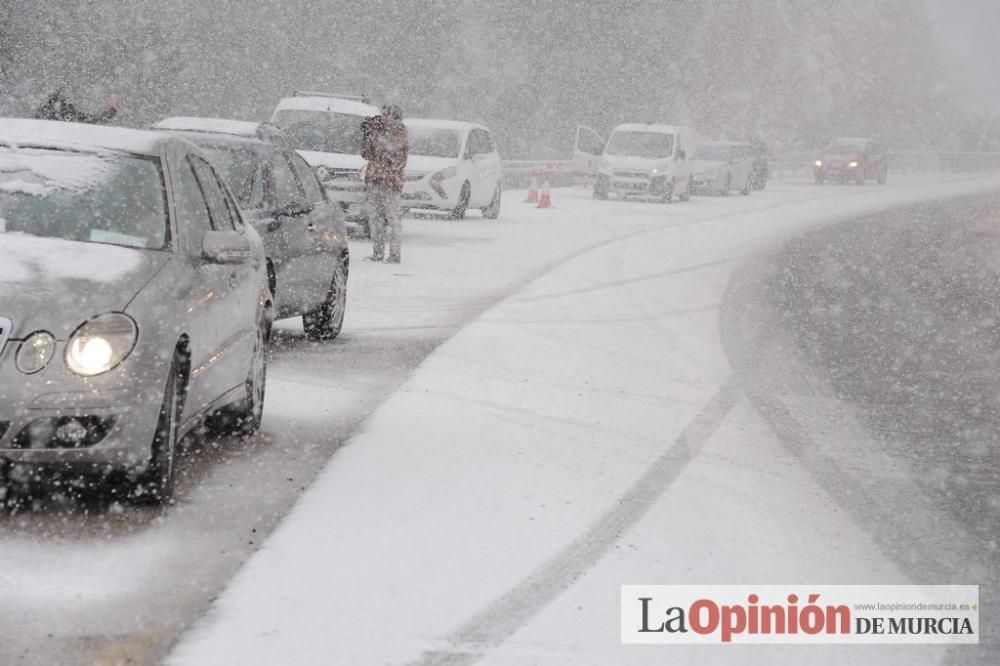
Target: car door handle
point(233, 279)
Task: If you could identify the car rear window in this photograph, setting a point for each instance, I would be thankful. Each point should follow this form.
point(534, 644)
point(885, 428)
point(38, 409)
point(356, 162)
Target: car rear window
point(322, 131)
point(94, 197)
point(434, 142)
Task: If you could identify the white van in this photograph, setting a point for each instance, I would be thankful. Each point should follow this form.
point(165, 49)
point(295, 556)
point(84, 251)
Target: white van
point(642, 161)
point(325, 128)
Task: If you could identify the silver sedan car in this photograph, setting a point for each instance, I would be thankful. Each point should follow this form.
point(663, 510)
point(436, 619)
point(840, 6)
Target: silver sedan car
point(133, 303)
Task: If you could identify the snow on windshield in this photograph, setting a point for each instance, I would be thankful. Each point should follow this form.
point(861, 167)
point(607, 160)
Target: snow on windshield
point(100, 198)
point(432, 142)
point(641, 144)
point(321, 131)
point(29, 259)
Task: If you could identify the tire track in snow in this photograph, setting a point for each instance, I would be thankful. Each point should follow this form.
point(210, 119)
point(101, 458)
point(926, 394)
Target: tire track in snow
point(496, 622)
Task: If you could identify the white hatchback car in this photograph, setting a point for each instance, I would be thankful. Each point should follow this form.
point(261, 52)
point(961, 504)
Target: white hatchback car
point(452, 166)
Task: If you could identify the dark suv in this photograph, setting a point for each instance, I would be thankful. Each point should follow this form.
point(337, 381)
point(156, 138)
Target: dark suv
point(852, 160)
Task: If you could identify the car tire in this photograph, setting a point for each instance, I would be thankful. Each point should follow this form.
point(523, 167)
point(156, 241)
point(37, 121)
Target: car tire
point(728, 184)
point(458, 212)
point(492, 211)
point(746, 188)
point(686, 195)
point(248, 412)
point(156, 484)
point(326, 321)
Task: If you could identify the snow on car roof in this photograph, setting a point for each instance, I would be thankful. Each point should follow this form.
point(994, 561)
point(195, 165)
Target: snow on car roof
point(334, 104)
point(54, 133)
point(436, 123)
point(647, 127)
point(214, 125)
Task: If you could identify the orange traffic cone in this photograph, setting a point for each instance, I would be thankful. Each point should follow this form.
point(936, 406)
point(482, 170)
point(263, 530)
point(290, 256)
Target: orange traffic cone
point(533, 192)
point(545, 201)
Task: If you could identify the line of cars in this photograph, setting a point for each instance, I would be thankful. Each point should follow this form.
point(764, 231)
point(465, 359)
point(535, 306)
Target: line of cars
point(141, 272)
point(661, 162)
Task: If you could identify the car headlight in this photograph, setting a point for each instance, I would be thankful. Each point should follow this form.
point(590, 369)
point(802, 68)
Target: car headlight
point(35, 352)
point(101, 344)
point(853, 165)
point(818, 163)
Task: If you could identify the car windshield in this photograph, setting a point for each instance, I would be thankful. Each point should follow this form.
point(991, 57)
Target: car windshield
point(434, 142)
point(842, 147)
point(92, 197)
point(237, 166)
point(641, 144)
point(712, 153)
point(322, 131)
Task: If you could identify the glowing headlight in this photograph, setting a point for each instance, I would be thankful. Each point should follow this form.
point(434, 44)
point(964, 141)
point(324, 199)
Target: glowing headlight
point(654, 172)
point(818, 163)
point(853, 165)
point(101, 344)
point(35, 352)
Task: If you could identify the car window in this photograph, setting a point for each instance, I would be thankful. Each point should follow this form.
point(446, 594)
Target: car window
point(487, 141)
point(222, 218)
point(286, 189)
point(307, 179)
point(192, 210)
point(105, 198)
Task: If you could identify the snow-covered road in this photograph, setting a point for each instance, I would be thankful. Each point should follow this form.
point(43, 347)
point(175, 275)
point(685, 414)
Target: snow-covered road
point(581, 427)
point(587, 431)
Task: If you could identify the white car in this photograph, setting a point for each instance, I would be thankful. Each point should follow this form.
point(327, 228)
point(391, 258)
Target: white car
point(326, 130)
point(721, 167)
point(645, 161)
point(452, 166)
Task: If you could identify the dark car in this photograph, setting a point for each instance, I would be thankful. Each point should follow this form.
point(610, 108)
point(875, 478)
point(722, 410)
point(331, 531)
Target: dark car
point(133, 303)
point(304, 233)
point(852, 160)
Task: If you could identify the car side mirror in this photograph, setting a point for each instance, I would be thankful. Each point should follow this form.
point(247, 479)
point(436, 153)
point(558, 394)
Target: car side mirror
point(225, 247)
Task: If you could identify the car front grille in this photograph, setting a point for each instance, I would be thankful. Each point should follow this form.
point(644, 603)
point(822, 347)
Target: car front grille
point(631, 173)
point(414, 175)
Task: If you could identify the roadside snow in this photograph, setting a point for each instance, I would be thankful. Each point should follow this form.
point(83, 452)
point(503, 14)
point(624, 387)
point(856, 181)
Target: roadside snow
point(478, 512)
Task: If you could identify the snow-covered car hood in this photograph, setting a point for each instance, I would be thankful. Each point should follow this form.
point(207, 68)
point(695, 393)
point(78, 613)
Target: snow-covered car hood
point(706, 166)
point(424, 163)
point(55, 285)
point(317, 158)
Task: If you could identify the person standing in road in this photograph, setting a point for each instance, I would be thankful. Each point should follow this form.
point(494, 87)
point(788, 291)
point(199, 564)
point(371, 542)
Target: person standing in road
point(385, 145)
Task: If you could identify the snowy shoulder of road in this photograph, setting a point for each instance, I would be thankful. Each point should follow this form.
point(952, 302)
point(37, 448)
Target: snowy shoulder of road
point(584, 433)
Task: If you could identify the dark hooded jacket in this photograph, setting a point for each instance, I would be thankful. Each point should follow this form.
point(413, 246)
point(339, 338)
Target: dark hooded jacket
point(57, 108)
point(385, 146)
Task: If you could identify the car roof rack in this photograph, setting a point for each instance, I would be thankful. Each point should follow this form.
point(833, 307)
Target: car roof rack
point(364, 99)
